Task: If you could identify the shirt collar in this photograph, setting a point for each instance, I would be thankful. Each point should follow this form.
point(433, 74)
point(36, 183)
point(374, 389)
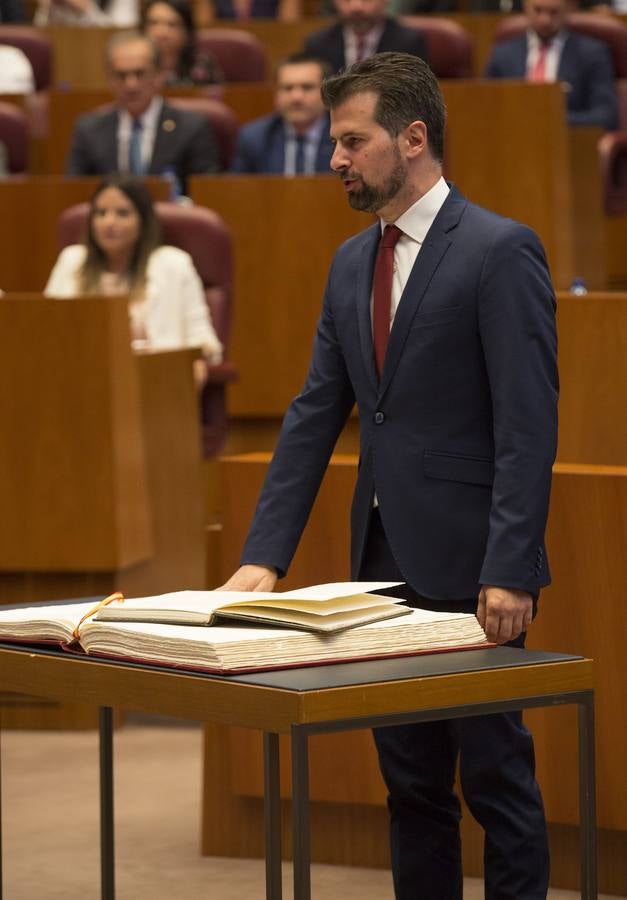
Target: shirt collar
point(149, 118)
point(416, 221)
point(313, 133)
point(534, 42)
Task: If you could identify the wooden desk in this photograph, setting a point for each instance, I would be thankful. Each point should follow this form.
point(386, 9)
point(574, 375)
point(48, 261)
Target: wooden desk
point(309, 701)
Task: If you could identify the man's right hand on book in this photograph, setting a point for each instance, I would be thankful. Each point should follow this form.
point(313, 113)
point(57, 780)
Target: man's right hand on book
point(251, 578)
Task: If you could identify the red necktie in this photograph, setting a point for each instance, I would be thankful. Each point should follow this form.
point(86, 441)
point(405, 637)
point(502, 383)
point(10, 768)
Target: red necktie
point(382, 292)
point(538, 71)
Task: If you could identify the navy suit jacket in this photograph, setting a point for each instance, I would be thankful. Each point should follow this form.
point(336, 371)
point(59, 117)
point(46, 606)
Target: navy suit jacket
point(12, 11)
point(586, 68)
point(329, 43)
point(459, 436)
point(184, 145)
point(261, 147)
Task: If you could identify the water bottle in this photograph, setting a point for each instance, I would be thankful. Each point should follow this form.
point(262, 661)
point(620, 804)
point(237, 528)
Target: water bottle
point(176, 188)
point(579, 287)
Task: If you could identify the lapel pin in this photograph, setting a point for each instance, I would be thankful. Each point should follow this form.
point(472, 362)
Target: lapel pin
point(168, 125)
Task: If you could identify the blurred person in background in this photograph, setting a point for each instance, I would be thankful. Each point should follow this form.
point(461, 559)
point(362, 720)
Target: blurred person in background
point(294, 140)
point(549, 51)
point(364, 28)
point(142, 134)
point(170, 24)
point(123, 254)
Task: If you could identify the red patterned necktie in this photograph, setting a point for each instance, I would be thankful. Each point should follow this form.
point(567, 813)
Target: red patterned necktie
point(537, 72)
point(382, 292)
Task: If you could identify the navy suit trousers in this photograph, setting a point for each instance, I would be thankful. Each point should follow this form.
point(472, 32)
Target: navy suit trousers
point(496, 769)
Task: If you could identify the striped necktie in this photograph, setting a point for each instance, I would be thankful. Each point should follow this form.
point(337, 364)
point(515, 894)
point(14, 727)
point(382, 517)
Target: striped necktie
point(135, 161)
point(382, 293)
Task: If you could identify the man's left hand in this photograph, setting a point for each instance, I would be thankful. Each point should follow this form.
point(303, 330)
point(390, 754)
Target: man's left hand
point(504, 613)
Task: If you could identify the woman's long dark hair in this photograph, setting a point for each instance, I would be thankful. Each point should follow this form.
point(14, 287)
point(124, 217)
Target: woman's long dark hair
point(149, 237)
point(187, 56)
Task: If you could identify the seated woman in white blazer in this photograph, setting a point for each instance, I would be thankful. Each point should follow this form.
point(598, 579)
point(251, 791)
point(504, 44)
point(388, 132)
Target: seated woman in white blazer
point(122, 255)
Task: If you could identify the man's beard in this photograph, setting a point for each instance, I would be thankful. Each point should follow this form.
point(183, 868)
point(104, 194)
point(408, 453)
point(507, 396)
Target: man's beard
point(371, 198)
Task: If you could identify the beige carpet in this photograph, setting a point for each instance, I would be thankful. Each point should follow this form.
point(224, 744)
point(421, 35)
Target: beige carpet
point(50, 825)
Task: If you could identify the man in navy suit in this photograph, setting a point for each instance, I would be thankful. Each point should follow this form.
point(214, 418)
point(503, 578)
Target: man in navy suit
point(363, 29)
point(458, 435)
point(294, 140)
point(550, 51)
point(142, 134)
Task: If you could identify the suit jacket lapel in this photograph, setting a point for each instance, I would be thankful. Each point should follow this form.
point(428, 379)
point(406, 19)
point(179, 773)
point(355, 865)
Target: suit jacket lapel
point(521, 57)
point(337, 54)
point(364, 290)
point(567, 61)
point(434, 247)
point(163, 137)
point(108, 140)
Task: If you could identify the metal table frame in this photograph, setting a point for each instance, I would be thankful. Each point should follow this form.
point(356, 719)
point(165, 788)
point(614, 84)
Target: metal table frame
point(300, 732)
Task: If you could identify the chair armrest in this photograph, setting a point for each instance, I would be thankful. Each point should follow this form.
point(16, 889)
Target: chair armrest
point(223, 373)
point(613, 165)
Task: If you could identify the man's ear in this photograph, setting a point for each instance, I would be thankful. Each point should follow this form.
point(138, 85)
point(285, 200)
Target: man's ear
point(414, 139)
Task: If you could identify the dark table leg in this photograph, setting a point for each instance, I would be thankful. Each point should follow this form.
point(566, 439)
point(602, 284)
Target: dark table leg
point(272, 815)
point(587, 798)
point(107, 872)
point(300, 813)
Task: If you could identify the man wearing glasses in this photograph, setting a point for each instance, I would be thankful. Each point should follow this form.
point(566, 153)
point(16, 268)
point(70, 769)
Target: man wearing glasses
point(142, 134)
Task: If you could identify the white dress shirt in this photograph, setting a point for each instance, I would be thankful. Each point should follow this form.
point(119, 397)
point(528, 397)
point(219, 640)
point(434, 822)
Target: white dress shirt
point(149, 121)
point(415, 222)
point(553, 54)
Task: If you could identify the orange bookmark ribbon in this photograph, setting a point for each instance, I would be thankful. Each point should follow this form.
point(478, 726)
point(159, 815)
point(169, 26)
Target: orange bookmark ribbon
point(116, 597)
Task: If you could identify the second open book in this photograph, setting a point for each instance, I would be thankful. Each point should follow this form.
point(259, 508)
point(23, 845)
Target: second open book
point(321, 607)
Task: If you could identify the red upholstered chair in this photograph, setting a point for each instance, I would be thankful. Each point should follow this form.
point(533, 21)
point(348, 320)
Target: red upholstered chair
point(240, 54)
point(613, 159)
point(14, 136)
point(223, 119)
point(202, 234)
point(36, 46)
point(448, 44)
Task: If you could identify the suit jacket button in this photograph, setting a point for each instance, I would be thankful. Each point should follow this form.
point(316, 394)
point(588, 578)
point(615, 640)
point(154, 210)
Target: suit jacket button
point(379, 417)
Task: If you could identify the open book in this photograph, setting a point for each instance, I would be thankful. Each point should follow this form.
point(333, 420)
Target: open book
point(238, 648)
point(322, 607)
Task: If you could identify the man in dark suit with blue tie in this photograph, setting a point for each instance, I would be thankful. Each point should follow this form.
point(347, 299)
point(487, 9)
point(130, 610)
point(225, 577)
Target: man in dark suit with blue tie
point(550, 51)
point(142, 134)
point(294, 140)
point(441, 328)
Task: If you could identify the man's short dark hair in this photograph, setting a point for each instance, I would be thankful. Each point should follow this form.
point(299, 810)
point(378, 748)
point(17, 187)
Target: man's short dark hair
point(304, 58)
point(406, 88)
